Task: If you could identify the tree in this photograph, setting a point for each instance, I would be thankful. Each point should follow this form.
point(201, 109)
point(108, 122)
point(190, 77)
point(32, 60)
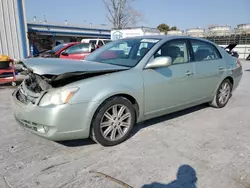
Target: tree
point(121, 13)
point(174, 28)
point(163, 28)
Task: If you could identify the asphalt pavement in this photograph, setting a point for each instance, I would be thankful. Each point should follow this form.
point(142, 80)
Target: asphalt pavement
point(199, 147)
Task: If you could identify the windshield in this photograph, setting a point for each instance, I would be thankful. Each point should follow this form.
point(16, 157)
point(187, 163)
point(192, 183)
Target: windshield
point(58, 47)
point(125, 52)
point(79, 48)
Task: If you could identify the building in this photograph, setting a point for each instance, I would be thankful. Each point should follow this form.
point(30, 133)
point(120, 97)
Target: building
point(219, 31)
point(13, 40)
point(175, 32)
point(133, 32)
point(242, 29)
point(16, 34)
point(45, 34)
point(196, 32)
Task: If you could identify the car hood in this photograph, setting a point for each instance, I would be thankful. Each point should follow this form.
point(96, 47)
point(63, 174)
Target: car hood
point(55, 66)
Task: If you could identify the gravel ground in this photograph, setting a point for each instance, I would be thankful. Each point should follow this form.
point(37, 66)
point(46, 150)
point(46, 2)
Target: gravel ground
point(208, 146)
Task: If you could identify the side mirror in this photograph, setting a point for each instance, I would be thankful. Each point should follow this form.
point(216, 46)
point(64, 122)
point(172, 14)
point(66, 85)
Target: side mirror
point(64, 54)
point(159, 62)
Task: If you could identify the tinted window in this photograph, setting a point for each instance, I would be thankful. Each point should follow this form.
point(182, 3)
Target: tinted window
point(100, 43)
point(176, 49)
point(125, 52)
point(92, 42)
point(204, 51)
point(58, 47)
point(78, 48)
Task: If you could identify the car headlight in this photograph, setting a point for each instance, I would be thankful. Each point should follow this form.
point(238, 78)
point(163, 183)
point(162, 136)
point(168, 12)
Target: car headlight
point(58, 97)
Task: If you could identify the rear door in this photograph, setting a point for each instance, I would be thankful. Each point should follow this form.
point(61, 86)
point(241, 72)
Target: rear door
point(209, 67)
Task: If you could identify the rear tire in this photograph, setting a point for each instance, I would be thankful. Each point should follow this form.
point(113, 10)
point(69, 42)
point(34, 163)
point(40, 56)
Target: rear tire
point(223, 94)
point(113, 121)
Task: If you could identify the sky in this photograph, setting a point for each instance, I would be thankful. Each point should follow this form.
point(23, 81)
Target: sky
point(181, 13)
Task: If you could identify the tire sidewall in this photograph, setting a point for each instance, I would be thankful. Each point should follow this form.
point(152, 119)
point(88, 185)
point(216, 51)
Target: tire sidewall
point(95, 126)
point(218, 91)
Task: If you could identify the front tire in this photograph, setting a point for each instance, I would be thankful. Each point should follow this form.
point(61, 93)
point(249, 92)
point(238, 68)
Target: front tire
point(113, 121)
point(223, 94)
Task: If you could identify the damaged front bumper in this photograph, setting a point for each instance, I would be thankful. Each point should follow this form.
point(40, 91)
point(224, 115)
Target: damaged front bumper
point(54, 122)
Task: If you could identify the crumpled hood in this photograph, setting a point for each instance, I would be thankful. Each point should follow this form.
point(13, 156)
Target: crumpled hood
point(56, 66)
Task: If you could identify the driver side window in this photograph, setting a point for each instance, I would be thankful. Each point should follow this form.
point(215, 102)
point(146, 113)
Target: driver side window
point(176, 49)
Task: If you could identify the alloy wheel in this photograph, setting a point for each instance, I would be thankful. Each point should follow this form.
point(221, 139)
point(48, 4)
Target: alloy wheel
point(224, 93)
point(115, 122)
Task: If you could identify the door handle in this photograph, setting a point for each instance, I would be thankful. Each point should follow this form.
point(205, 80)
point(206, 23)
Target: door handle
point(220, 68)
point(188, 73)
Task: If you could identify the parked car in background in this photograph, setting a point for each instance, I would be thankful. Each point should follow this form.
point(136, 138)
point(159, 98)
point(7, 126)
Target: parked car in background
point(124, 82)
point(97, 42)
point(248, 57)
point(230, 50)
point(79, 51)
point(57, 50)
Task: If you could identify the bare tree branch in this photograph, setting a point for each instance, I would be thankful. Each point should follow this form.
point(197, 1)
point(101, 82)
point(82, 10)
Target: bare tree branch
point(121, 14)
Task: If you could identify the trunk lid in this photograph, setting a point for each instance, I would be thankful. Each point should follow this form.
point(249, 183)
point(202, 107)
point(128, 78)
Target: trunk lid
point(230, 47)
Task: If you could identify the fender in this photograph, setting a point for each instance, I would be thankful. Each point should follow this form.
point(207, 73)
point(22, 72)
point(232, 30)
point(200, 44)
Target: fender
point(225, 75)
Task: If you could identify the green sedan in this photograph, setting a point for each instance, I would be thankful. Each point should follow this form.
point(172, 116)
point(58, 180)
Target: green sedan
point(125, 82)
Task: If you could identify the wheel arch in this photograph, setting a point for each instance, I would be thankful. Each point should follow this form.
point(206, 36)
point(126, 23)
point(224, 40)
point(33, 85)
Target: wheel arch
point(129, 97)
point(230, 78)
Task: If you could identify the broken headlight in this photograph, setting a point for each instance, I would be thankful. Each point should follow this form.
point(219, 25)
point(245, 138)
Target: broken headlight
point(58, 97)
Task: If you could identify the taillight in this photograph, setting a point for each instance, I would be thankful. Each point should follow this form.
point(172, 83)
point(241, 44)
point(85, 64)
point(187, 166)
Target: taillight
point(238, 63)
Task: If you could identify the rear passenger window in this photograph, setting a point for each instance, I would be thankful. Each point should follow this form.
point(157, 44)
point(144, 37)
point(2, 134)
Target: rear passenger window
point(204, 51)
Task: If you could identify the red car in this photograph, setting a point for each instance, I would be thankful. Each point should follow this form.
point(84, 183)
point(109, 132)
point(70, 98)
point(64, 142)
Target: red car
point(57, 50)
point(79, 51)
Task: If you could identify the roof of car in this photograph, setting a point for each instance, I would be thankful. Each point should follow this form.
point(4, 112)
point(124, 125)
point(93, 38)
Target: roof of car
point(72, 43)
point(168, 37)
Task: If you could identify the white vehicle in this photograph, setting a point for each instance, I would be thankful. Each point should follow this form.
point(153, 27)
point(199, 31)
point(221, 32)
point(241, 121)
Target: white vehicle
point(133, 32)
point(97, 42)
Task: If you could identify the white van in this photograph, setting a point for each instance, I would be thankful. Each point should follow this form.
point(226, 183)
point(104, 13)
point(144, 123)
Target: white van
point(97, 42)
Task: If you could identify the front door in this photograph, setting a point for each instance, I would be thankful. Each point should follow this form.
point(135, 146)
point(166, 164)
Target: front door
point(169, 87)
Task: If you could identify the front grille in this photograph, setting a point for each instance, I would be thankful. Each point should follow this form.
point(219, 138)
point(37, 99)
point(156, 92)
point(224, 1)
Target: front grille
point(29, 124)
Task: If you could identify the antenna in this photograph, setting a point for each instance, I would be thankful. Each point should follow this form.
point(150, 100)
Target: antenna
point(45, 20)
